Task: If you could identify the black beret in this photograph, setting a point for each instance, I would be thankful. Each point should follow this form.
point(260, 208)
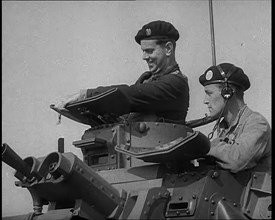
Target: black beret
point(214, 75)
point(157, 30)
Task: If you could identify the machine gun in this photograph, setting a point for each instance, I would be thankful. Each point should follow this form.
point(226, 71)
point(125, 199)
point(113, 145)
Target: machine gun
point(12, 159)
point(65, 183)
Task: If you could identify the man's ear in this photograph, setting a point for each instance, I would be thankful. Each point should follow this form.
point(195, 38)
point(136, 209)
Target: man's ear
point(169, 48)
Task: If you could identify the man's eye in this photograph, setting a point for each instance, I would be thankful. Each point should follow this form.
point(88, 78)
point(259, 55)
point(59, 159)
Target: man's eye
point(148, 51)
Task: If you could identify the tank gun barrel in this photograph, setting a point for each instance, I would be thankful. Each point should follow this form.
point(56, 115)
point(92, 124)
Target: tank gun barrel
point(12, 159)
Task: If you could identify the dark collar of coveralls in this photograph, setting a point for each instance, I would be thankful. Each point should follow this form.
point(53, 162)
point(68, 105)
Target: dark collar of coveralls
point(169, 70)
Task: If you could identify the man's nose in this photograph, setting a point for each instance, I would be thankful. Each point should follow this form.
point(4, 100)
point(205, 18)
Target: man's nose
point(145, 56)
point(205, 100)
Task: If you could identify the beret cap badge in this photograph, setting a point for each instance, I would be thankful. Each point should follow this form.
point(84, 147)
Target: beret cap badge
point(157, 30)
point(226, 73)
point(209, 75)
point(148, 32)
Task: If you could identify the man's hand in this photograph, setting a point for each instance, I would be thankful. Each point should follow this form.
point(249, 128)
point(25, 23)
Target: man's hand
point(61, 105)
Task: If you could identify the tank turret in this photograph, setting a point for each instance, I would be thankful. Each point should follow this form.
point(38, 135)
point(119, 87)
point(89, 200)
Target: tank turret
point(137, 170)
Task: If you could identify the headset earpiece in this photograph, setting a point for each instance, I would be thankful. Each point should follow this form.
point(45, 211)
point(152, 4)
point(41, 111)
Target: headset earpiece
point(227, 92)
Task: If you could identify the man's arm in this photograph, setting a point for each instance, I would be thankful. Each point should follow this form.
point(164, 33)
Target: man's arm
point(161, 95)
point(170, 93)
point(165, 94)
point(248, 148)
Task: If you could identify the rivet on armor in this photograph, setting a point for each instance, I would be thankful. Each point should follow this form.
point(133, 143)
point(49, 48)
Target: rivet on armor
point(248, 211)
point(157, 124)
point(215, 175)
point(174, 125)
point(213, 202)
point(194, 196)
point(212, 213)
point(112, 196)
point(254, 176)
point(128, 158)
point(142, 127)
point(180, 197)
point(205, 199)
point(178, 213)
point(187, 211)
point(235, 204)
point(223, 198)
point(112, 156)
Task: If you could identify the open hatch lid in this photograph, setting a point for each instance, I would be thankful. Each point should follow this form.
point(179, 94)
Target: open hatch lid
point(161, 142)
point(97, 110)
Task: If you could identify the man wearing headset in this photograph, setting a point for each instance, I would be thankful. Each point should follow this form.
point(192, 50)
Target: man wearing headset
point(243, 137)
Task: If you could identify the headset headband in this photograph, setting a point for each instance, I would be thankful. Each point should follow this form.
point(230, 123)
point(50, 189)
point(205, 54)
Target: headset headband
point(229, 73)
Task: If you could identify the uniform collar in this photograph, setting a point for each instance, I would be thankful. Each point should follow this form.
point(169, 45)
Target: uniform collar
point(169, 70)
point(224, 125)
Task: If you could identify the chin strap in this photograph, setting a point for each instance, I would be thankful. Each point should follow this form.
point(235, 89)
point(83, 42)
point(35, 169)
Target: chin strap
point(211, 134)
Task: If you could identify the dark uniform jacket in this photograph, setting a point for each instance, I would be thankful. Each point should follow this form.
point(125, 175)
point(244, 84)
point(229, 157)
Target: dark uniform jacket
point(166, 96)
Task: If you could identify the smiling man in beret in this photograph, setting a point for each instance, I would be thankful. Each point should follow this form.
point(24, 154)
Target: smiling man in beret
point(159, 94)
point(243, 136)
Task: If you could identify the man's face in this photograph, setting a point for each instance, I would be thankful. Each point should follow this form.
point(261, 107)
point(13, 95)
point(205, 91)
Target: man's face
point(213, 99)
point(154, 55)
